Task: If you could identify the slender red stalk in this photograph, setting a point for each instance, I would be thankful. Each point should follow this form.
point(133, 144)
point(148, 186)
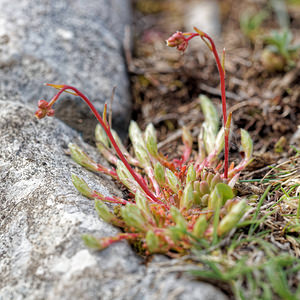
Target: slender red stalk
point(108, 132)
point(223, 95)
point(181, 42)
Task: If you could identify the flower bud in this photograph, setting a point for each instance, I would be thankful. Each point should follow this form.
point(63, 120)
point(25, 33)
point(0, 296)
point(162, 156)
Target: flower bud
point(177, 40)
point(152, 242)
point(133, 217)
point(82, 186)
point(82, 158)
point(40, 114)
point(159, 173)
point(232, 218)
point(43, 104)
point(191, 174)
point(173, 181)
point(187, 199)
point(200, 227)
point(44, 110)
point(151, 140)
point(103, 211)
point(50, 112)
point(100, 136)
point(178, 218)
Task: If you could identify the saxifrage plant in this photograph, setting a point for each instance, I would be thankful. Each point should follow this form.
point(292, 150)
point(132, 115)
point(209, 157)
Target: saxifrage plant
point(172, 203)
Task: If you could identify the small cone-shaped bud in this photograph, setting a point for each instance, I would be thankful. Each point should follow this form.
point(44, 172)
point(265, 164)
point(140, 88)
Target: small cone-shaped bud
point(136, 135)
point(216, 179)
point(152, 241)
point(232, 218)
point(178, 40)
point(100, 136)
point(178, 218)
point(191, 174)
point(173, 181)
point(82, 158)
point(142, 203)
point(133, 217)
point(43, 104)
point(200, 227)
point(187, 137)
point(103, 211)
point(151, 140)
point(187, 199)
point(142, 156)
point(82, 186)
point(159, 173)
point(92, 242)
point(204, 188)
point(204, 200)
point(247, 144)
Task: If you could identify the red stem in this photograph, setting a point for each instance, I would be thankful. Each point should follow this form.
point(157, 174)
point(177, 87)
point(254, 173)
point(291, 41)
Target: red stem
point(110, 136)
point(223, 94)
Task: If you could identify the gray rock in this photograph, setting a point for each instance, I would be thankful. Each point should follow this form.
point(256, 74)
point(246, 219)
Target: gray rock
point(42, 218)
point(65, 42)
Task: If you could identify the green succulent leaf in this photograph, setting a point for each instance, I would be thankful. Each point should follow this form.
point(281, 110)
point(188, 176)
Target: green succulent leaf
point(220, 194)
